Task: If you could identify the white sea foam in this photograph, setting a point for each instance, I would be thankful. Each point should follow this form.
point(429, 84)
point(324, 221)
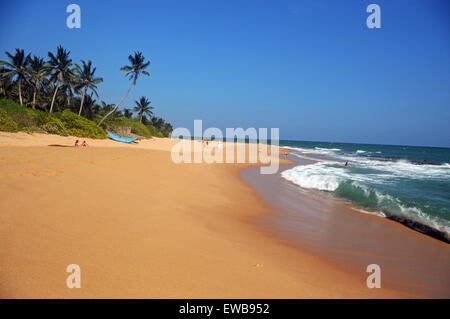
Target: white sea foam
point(363, 174)
point(324, 176)
point(317, 176)
point(401, 168)
point(315, 151)
point(379, 214)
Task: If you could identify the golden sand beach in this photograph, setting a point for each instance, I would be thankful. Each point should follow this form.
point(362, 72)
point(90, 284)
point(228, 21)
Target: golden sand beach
point(141, 226)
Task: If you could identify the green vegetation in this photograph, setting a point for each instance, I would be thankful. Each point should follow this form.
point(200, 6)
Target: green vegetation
point(17, 67)
point(137, 128)
point(154, 131)
point(6, 122)
point(79, 126)
point(55, 127)
point(16, 117)
point(86, 80)
point(22, 116)
point(143, 108)
point(46, 96)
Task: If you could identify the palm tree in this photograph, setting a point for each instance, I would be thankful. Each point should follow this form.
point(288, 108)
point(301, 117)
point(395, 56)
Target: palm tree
point(107, 107)
point(168, 127)
point(127, 113)
point(5, 83)
point(157, 122)
point(17, 67)
point(143, 108)
point(87, 80)
point(37, 75)
point(59, 70)
point(133, 71)
point(69, 87)
point(89, 106)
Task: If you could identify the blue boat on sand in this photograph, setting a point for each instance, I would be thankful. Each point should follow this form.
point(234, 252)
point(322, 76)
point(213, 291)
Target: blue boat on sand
point(122, 139)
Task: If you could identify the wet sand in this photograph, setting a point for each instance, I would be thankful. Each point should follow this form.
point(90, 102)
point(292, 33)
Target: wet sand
point(318, 223)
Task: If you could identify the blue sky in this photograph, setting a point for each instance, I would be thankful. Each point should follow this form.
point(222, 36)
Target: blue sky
point(311, 68)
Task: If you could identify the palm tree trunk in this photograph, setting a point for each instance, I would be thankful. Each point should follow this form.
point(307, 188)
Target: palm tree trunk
point(20, 91)
point(117, 106)
point(53, 99)
point(140, 119)
point(82, 100)
point(34, 98)
point(68, 99)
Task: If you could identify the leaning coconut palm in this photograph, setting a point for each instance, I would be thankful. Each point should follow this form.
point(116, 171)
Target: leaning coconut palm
point(87, 80)
point(143, 108)
point(17, 68)
point(59, 69)
point(38, 74)
point(137, 67)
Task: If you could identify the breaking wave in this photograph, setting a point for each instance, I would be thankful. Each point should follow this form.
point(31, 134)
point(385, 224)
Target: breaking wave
point(377, 186)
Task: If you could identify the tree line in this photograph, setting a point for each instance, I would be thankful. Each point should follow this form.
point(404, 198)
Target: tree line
point(57, 84)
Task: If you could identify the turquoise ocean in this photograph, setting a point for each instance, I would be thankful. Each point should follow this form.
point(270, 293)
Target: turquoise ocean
point(408, 184)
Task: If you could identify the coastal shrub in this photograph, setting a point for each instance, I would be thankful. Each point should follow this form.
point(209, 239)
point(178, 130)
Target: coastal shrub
point(165, 134)
point(154, 131)
point(69, 123)
point(6, 122)
point(32, 129)
point(42, 118)
point(23, 116)
point(113, 122)
point(140, 129)
point(79, 126)
point(136, 127)
point(109, 122)
point(49, 123)
point(55, 127)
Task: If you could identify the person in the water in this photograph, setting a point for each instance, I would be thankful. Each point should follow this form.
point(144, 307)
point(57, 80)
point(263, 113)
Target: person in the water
point(346, 164)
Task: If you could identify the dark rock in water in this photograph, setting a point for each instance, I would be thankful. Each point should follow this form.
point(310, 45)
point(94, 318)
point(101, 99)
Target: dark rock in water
point(426, 162)
point(427, 230)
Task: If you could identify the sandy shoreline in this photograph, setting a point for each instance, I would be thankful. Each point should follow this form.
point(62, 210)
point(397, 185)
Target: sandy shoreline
point(321, 224)
point(141, 226)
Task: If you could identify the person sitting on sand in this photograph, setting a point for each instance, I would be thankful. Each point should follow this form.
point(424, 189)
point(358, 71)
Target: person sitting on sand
point(77, 143)
point(84, 144)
